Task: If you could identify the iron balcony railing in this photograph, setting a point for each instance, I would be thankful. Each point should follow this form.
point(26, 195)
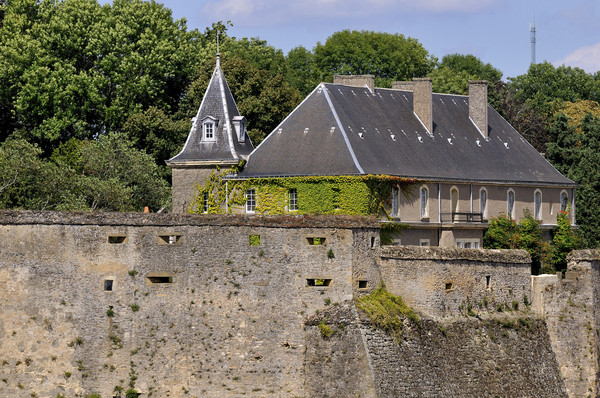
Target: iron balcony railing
point(462, 217)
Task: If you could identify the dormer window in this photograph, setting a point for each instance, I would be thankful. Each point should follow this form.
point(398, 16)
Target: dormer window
point(209, 129)
point(239, 123)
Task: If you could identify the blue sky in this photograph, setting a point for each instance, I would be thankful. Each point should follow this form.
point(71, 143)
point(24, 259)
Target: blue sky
point(496, 31)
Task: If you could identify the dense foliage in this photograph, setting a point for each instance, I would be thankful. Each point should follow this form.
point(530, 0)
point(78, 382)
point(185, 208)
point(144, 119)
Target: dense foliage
point(546, 257)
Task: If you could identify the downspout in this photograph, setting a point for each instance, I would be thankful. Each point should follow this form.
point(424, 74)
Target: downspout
point(471, 196)
point(226, 197)
point(439, 202)
point(572, 206)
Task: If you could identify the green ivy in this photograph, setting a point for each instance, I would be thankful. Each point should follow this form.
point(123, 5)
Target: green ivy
point(349, 195)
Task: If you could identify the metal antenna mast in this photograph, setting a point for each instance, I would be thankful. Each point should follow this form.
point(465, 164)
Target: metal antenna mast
point(532, 30)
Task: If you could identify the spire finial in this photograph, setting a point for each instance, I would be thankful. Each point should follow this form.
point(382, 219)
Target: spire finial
point(218, 55)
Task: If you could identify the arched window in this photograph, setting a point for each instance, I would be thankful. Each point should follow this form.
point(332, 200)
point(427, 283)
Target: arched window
point(424, 202)
point(395, 201)
point(454, 199)
point(483, 203)
point(510, 209)
point(564, 201)
point(537, 205)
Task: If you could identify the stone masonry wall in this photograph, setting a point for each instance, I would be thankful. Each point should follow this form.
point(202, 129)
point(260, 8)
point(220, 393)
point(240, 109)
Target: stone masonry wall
point(444, 282)
point(569, 306)
point(225, 306)
point(230, 323)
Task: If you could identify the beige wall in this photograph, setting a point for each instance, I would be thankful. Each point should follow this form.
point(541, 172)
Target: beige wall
point(184, 185)
point(410, 207)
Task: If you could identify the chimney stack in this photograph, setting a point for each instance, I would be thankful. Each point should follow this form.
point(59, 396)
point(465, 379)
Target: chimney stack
point(478, 106)
point(404, 86)
point(422, 102)
point(355, 80)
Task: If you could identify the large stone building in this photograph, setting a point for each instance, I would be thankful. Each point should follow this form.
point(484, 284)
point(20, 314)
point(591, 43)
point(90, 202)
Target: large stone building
point(466, 163)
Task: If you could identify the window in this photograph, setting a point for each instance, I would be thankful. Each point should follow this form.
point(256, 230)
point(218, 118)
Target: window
point(468, 243)
point(169, 239)
point(564, 200)
point(424, 242)
point(316, 241)
point(394, 202)
point(488, 282)
point(318, 282)
point(510, 210)
point(250, 201)
point(205, 203)
point(537, 205)
point(108, 285)
point(293, 201)
point(454, 200)
point(483, 203)
point(424, 202)
point(209, 131)
point(362, 284)
point(159, 279)
point(115, 240)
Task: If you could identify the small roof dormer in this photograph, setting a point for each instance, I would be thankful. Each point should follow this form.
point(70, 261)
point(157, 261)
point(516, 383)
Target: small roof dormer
point(218, 135)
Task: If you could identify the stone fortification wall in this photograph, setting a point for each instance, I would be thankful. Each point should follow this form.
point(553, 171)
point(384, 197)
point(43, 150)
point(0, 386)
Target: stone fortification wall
point(507, 356)
point(218, 306)
point(569, 306)
point(194, 309)
point(451, 281)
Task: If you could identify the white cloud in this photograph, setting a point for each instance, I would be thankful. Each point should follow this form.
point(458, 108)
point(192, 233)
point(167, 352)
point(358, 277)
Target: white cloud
point(586, 58)
point(278, 12)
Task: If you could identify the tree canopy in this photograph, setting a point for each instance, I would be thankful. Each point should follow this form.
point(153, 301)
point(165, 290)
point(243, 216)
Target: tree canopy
point(389, 57)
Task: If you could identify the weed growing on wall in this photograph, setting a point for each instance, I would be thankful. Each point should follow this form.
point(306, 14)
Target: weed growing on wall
point(387, 311)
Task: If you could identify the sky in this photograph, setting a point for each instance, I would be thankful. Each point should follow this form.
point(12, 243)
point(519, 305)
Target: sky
point(495, 31)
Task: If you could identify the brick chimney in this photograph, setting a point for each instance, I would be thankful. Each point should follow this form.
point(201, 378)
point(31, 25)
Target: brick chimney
point(422, 102)
point(478, 106)
point(355, 80)
point(404, 86)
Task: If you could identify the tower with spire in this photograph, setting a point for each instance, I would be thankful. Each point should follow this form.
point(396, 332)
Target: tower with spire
point(218, 138)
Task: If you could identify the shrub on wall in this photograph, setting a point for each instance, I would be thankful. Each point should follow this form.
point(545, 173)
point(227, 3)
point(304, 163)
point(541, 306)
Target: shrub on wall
point(546, 257)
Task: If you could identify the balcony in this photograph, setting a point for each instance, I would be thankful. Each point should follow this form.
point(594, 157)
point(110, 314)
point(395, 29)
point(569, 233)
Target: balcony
point(462, 217)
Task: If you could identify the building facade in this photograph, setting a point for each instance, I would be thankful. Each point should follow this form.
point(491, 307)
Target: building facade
point(440, 164)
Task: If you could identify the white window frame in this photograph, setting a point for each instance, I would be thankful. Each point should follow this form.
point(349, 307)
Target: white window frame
point(564, 194)
point(424, 199)
point(205, 202)
point(209, 129)
point(293, 199)
point(395, 192)
point(468, 243)
point(251, 201)
point(537, 205)
point(483, 202)
point(510, 207)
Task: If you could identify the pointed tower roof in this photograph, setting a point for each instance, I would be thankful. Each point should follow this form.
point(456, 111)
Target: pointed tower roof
point(218, 134)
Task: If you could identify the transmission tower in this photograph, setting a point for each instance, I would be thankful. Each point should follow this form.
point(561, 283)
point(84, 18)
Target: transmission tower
point(532, 29)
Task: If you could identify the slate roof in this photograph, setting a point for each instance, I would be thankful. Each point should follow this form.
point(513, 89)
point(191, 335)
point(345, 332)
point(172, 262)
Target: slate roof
point(344, 130)
point(218, 103)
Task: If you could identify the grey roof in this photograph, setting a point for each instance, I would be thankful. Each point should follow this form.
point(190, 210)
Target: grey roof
point(218, 103)
point(322, 136)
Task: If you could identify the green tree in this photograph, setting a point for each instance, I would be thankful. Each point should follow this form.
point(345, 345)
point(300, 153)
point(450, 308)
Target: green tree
point(504, 233)
point(302, 70)
point(453, 73)
point(389, 57)
point(73, 68)
point(577, 156)
point(564, 241)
